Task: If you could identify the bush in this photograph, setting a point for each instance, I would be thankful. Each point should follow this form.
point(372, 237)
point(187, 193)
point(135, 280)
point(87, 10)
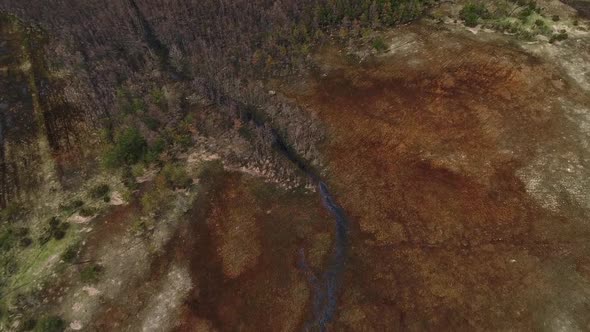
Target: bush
point(472, 12)
point(51, 324)
point(379, 45)
point(70, 254)
point(71, 206)
point(555, 18)
point(25, 242)
point(176, 176)
point(56, 230)
point(91, 274)
point(128, 178)
point(7, 239)
point(157, 198)
point(129, 148)
point(151, 123)
point(158, 97)
point(155, 150)
point(12, 212)
point(29, 324)
point(559, 37)
point(99, 191)
point(87, 211)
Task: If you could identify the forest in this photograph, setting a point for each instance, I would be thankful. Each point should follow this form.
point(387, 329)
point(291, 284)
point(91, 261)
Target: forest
point(99, 70)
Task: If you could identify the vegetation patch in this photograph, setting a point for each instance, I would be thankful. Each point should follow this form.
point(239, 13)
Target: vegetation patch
point(524, 19)
point(473, 12)
point(176, 176)
point(91, 274)
point(99, 191)
point(129, 148)
point(50, 324)
point(379, 44)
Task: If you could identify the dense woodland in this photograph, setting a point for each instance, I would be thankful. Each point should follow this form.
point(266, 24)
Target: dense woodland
point(112, 67)
point(213, 39)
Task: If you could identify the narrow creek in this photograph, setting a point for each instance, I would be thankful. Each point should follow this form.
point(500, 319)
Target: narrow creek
point(326, 285)
point(327, 289)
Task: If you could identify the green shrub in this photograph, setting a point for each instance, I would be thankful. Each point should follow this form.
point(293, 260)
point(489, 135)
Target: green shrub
point(176, 176)
point(70, 254)
point(137, 105)
point(51, 324)
point(559, 37)
point(159, 98)
point(7, 239)
point(156, 199)
point(379, 44)
point(155, 150)
point(57, 230)
point(129, 148)
point(555, 18)
point(99, 191)
point(128, 178)
point(150, 122)
point(88, 211)
point(472, 12)
point(12, 212)
point(29, 324)
point(72, 206)
point(25, 242)
point(91, 274)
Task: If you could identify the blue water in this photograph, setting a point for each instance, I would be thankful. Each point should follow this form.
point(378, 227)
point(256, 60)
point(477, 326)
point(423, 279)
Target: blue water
point(326, 287)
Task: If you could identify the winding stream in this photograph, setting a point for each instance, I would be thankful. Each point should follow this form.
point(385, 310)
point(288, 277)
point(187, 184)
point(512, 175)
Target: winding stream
point(325, 288)
point(332, 277)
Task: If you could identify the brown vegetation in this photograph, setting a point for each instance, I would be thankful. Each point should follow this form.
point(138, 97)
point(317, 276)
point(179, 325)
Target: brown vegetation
point(423, 154)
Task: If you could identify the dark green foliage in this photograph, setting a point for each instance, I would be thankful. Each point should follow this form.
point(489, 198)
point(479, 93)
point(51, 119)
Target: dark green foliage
point(57, 230)
point(10, 237)
point(129, 179)
point(12, 212)
point(54, 222)
point(155, 150)
point(51, 324)
point(99, 191)
point(87, 211)
point(379, 44)
point(72, 206)
point(559, 37)
point(176, 176)
point(129, 148)
point(150, 122)
point(555, 18)
point(70, 254)
point(91, 274)
point(472, 12)
point(7, 239)
point(25, 242)
point(158, 98)
point(29, 324)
